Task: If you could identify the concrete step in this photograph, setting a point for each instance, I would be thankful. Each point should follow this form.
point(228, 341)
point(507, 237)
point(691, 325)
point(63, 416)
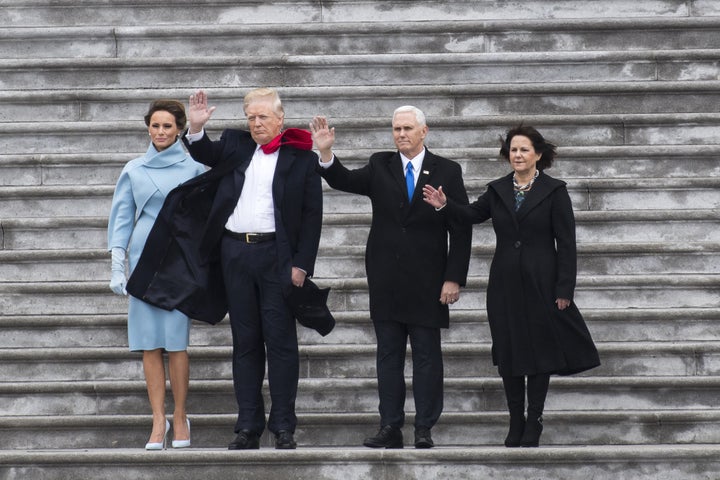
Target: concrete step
point(592, 194)
point(621, 358)
point(630, 462)
point(346, 430)
point(437, 101)
point(698, 129)
point(621, 226)
point(482, 163)
point(349, 261)
point(654, 325)
point(606, 291)
point(366, 70)
point(571, 463)
point(588, 194)
point(626, 226)
point(551, 34)
point(60, 14)
point(359, 395)
point(69, 233)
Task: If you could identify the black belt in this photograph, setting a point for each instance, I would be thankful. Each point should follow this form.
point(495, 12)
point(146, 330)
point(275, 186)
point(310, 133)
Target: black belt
point(251, 237)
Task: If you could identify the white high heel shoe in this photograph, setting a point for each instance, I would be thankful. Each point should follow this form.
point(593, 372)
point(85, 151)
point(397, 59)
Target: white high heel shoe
point(159, 445)
point(183, 443)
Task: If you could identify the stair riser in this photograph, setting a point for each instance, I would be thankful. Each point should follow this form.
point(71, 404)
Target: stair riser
point(560, 430)
point(591, 264)
point(629, 329)
point(239, 74)
point(133, 43)
point(312, 12)
point(363, 399)
point(358, 365)
point(473, 299)
point(40, 205)
point(475, 170)
point(20, 238)
point(435, 105)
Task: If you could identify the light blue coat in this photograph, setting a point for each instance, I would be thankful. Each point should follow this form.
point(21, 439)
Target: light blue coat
point(140, 193)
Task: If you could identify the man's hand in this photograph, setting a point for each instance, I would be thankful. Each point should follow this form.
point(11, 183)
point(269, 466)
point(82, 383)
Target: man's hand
point(298, 277)
point(323, 137)
point(436, 198)
point(199, 113)
point(562, 303)
point(450, 292)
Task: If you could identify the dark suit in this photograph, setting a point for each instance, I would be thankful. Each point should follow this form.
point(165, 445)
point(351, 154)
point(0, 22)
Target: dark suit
point(407, 260)
point(257, 277)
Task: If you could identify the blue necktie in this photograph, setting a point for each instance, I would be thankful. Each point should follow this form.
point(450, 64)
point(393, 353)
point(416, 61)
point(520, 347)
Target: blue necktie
point(410, 180)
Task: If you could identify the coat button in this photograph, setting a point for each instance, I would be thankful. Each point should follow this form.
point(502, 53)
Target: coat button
point(518, 244)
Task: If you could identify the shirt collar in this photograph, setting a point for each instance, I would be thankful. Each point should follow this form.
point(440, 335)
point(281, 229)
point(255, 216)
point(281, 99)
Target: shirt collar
point(416, 161)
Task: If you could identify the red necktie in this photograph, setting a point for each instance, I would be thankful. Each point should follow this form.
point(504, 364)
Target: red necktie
point(293, 137)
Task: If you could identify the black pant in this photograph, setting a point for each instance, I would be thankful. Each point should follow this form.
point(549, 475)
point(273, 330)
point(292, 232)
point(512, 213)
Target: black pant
point(427, 373)
point(260, 319)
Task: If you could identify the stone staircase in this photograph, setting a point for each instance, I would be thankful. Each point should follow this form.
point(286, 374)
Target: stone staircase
point(629, 90)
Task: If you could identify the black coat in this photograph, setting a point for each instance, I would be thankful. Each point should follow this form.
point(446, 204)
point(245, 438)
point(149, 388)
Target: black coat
point(534, 264)
point(407, 258)
point(180, 264)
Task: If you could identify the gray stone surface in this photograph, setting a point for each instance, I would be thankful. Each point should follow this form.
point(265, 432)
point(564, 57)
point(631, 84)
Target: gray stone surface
point(627, 89)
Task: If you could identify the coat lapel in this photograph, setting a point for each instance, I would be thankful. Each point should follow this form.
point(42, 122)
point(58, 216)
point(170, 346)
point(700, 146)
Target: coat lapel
point(426, 173)
point(242, 156)
point(286, 157)
point(540, 189)
point(394, 165)
point(504, 189)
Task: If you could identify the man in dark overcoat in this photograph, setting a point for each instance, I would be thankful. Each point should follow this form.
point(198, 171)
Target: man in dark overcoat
point(416, 261)
point(261, 215)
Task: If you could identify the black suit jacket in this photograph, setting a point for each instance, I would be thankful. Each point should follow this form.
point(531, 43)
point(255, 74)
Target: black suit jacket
point(408, 257)
point(179, 267)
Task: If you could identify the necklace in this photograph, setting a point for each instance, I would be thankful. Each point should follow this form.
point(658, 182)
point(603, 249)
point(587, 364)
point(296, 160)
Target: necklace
point(525, 188)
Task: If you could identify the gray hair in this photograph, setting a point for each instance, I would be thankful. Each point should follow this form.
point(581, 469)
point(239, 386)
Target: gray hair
point(419, 115)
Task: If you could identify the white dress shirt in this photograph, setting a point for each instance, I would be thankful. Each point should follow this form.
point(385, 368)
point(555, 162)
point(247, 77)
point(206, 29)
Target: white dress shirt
point(255, 210)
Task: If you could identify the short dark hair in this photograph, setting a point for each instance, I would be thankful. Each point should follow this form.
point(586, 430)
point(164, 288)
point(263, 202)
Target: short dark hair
point(541, 146)
point(175, 108)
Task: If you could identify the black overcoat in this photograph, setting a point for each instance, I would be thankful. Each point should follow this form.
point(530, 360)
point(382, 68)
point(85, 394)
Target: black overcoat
point(408, 258)
point(534, 264)
point(180, 264)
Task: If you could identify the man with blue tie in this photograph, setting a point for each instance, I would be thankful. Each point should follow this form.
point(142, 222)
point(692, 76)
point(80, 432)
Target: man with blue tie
point(416, 261)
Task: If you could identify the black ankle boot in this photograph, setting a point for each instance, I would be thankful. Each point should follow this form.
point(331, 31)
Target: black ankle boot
point(517, 426)
point(533, 429)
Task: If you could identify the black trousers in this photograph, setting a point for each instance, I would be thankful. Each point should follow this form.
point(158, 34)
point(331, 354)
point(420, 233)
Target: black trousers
point(427, 373)
point(260, 320)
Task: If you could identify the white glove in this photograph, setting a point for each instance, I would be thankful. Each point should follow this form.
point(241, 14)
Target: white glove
point(118, 279)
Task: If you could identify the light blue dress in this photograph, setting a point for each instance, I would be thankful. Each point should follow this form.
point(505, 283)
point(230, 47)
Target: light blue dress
point(140, 193)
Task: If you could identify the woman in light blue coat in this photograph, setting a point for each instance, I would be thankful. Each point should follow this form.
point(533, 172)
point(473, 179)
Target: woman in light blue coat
point(140, 192)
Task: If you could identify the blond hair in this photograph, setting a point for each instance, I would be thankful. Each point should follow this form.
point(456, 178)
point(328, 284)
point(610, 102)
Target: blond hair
point(268, 93)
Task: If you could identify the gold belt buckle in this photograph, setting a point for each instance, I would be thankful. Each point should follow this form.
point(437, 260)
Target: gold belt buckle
point(247, 238)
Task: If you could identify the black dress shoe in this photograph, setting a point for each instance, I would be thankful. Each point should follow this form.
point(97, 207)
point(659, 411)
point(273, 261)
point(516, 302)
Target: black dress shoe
point(387, 437)
point(423, 439)
point(284, 440)
point(245, 440)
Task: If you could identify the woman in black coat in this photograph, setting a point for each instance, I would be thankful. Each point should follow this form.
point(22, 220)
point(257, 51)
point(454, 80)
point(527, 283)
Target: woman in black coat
point(536, 328)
